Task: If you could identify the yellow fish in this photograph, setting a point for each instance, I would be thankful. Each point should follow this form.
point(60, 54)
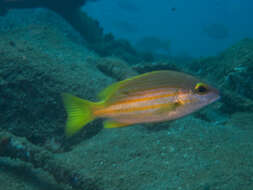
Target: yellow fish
point(150, 97)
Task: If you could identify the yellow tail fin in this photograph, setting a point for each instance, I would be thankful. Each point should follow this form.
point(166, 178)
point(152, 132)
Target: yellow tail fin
point(79, 113)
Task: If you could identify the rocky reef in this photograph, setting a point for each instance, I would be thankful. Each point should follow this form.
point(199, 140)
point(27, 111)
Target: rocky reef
point(233, 70)
point(43, 56)
point(89, 28)
point(33, 75)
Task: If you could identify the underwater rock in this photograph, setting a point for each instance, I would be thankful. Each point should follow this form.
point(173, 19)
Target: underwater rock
point(242, 120)
point(118, 48)
point(184, 153)
point(19, 148)
point(33, 20)
point(69, 10)
point(88, 27)
point(144, 67)
point(38, 63)
point(115, 67)
point(233, 75)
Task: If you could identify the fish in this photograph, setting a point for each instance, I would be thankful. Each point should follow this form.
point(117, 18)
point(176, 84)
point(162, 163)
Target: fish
point(147, 98)
point(173, 9)
point(216, 31)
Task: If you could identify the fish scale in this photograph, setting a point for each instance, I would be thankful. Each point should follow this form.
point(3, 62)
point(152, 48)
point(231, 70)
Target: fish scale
point(151, 97)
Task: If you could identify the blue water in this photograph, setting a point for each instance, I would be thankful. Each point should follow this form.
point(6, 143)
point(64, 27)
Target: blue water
point(133, 19)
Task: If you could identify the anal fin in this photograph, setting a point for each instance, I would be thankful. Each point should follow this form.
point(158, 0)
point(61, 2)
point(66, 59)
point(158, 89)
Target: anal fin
point(114, 124)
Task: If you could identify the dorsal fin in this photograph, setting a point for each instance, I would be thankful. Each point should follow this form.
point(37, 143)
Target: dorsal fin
point(147, 81)
point(108, 91)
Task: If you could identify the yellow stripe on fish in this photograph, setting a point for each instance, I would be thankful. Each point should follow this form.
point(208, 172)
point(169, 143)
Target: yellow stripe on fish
point(147, 96)
point(150, 97)
point(140, 104)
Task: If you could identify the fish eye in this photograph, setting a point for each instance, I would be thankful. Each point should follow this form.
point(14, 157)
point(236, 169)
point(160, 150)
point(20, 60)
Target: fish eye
point(201, 88)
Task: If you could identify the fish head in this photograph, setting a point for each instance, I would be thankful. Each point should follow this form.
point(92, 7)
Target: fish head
point(196, 96)
point(204, 94)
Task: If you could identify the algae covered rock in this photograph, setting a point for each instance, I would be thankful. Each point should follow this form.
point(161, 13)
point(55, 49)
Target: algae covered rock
point(115, 67)
point(88, 28)
point(232, 72)
point(144, 67)
point(36, 67)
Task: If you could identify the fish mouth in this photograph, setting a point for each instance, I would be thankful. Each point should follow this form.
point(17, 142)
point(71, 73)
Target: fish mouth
point(215, 95)
point(215, 98)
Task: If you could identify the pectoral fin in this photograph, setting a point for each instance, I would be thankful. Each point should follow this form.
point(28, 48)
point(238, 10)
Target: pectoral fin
point(168, 108)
